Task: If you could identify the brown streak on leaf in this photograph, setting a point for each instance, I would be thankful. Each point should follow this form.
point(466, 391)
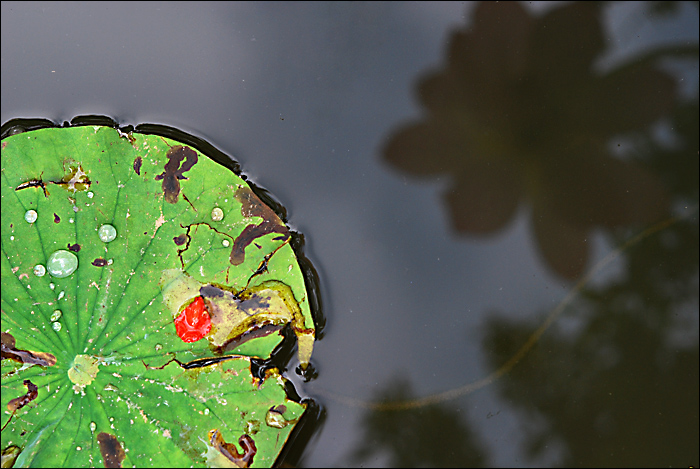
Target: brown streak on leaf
point(173, 171)
point(196, 363)
point(231, 452)
point(252, 206)
point(33, 183)
point(24, 356)
point(149, 367)
point(112, 452)
point(19, 402)
point(188, 201)
point(137, 165)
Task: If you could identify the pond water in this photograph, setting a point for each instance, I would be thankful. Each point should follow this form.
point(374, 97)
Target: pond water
point(470, 180)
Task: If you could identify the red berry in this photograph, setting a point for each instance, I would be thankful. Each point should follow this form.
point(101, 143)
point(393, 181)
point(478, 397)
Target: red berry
point(194, 322)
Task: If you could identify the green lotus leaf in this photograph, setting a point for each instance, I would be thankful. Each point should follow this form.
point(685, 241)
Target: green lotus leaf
point(139, 280)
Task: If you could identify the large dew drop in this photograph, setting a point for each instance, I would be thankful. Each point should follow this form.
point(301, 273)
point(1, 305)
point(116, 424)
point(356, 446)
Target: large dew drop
point(107, 233)
point(217, 214)
point(62, 263)
point(31, 216)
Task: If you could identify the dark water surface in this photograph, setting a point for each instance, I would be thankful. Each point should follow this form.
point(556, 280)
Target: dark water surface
point(456, 169)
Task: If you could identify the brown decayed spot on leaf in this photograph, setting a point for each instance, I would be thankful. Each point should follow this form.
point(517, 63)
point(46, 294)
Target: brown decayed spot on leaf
point(254, 312)
point(180, 240)
point(279, 409)
point(173, 171)
point(9, 455)
point(231, 452)
point(137, 165)
point(76, 180)
point(19, 402)
point(99, 262)
point(252, 206)
point(24, 356)
point(74, 247)
point(111, 450)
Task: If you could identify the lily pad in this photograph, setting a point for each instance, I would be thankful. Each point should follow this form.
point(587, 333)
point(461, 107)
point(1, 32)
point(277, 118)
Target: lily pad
point(140, 281)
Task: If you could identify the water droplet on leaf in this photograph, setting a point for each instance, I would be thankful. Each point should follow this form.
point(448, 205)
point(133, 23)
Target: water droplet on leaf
point(31, 216)
point(56, 326)
point(217, 214)
point(62, 263)
point(39, 270)
point(107, 233)
point(56, 315)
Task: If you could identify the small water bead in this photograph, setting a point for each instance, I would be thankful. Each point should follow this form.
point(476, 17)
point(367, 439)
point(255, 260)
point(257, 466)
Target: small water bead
point(90, 195)
point(226, 243)
point(39, 270)
point(56, 326)
point(107, 233)
point(62, 263)
point(93, 426)
point(217, 214)
point(31, 216)
point(56, 315)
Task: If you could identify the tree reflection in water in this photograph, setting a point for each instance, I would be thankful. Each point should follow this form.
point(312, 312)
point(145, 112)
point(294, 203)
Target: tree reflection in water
point(519, 116)
point(427, 436)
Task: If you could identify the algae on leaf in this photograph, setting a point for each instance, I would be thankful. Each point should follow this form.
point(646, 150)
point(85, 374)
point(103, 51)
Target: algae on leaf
point(139, 279)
